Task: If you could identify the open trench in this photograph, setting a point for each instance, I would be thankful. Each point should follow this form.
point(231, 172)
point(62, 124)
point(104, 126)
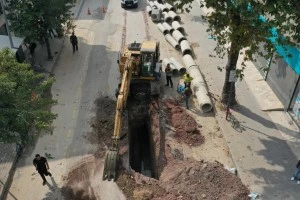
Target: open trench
point(141, 146)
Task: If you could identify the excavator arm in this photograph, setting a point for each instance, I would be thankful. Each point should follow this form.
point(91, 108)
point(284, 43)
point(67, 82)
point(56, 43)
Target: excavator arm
point(112, 155)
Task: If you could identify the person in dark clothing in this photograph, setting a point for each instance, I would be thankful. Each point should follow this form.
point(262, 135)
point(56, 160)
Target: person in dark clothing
point(168, 72)
point(74, 42)
point(297, 173)
point(187, 93)
point(42, 167)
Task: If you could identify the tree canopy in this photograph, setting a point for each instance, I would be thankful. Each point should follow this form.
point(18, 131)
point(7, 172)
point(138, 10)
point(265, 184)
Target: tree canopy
point(255, 26)
point(23, 100)
point(33, 19)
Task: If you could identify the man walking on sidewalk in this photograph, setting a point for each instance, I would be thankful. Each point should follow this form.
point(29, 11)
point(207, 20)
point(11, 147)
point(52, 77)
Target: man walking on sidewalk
point(297, 173)
point(42, 167)
point(74, 42)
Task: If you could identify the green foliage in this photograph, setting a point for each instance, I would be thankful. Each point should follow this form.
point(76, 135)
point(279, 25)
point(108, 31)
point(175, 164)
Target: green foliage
point(23, 100)
point(33, 19)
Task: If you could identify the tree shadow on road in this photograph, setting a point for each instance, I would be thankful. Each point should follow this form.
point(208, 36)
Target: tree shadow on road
point(275, 177)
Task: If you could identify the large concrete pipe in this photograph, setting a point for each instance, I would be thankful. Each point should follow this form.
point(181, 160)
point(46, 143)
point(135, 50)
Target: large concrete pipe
point(178, 66)
point(163, 8)
point(149, 10)
point(198, 84)
point(172, 41)
point(178, 36)
point(167, 18)
point(162, 28)
point(177, 26)
point(156, 3)
point(151, 4)
point(170, 7)
point(185, 47)
point(168, 27)
point(174, 16)
point(174, 70)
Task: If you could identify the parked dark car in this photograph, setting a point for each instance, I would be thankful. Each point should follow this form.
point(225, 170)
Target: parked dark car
point(129, 3)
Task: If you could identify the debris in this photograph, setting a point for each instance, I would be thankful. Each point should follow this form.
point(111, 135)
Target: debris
point(253, 195)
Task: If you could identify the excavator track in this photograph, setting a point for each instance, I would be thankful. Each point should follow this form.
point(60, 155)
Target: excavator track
point(111, 165)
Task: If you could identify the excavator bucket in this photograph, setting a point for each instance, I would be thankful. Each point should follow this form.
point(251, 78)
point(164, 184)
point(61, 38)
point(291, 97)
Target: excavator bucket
point(111, 165)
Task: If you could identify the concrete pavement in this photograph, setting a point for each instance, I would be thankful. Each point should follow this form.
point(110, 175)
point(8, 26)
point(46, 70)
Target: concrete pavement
point(266, 150)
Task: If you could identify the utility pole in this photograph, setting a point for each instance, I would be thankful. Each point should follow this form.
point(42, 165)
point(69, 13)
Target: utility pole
point(7, 26)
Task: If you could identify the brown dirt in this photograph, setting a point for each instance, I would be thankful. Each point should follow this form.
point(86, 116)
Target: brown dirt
point(186, 128)
point(180, 177)
point(77, 182)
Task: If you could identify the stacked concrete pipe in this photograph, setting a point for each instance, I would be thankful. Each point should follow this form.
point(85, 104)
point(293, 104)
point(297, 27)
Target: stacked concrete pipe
point(198, 83)
point(174, 16)
point(177, 26)
point(149, 10)
point(185, 47)
point(167, 17)
point(162, 28)
point(178, 66)
point(172, 41)
point(151, 4)
point(178, 36)
point(170, 7)
point(163, 8)
point(156, 3)
point(168, 27)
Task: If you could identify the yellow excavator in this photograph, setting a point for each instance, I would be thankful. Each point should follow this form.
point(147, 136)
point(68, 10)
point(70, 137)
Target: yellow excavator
point(137, 64)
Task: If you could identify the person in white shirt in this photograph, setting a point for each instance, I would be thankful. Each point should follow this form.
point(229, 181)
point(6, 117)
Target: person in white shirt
point(158, 70)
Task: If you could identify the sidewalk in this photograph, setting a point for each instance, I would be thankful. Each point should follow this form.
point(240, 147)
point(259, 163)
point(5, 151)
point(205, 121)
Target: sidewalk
point(8, 157)
point(265, 152)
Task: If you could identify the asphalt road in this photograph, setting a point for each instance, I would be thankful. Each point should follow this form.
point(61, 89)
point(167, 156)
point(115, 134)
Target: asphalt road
point(82, 77)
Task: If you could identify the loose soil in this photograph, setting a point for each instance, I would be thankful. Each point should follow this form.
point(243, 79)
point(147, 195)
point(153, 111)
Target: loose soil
point(186, 128)
point(180, 177)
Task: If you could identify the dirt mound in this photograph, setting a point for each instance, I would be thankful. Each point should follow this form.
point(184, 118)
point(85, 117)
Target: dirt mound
point(138, 187)
point(202, 180)
point(187, 180)
point(77, 182)
point(187, 130)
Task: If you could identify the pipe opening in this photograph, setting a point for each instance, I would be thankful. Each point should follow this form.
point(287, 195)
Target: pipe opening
point(187, 51)
point(206, 107)
point(182, 71)
point(177, 18)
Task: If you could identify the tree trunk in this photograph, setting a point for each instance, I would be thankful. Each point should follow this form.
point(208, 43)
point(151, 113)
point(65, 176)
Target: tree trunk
point(48, 48)
point(231, 65)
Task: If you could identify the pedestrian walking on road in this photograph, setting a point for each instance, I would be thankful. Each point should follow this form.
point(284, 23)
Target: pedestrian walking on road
point(74, 42)
point(187, 80)
point(187, 93)
point(42, 167)
point(117, 90)
point(168, 72)
point(297, 173)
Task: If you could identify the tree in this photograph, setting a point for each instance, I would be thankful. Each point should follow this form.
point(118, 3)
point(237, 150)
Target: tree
point(248, 25)
point(33, 19)
point(23, 100)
